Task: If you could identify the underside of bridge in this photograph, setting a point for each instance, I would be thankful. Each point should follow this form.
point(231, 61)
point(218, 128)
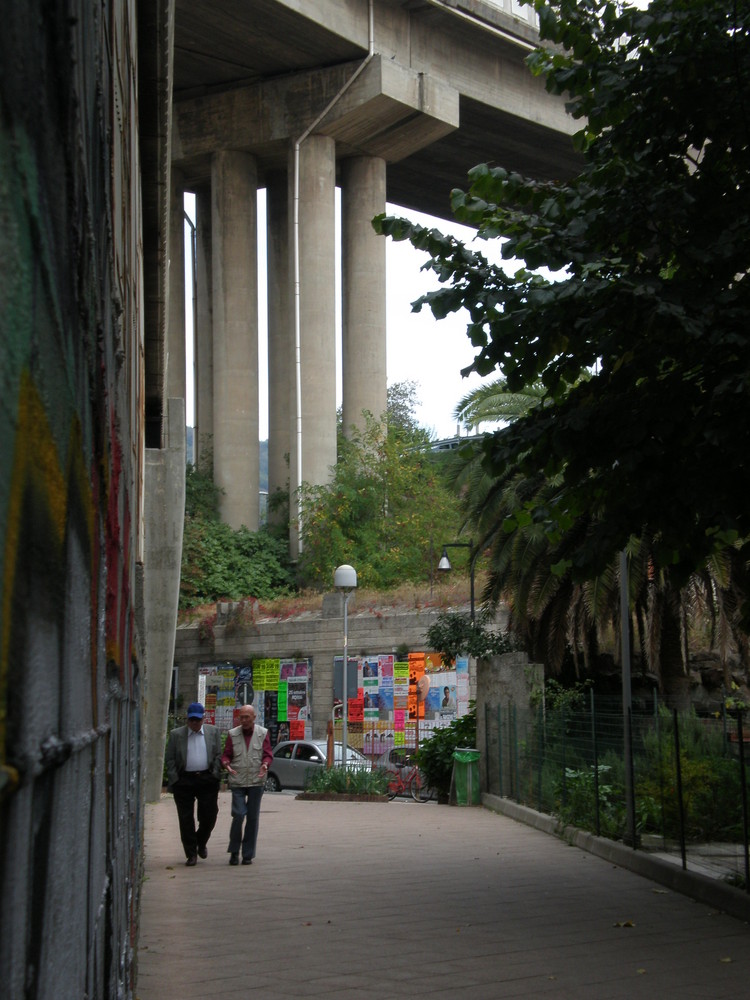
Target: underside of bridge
point(393, 100)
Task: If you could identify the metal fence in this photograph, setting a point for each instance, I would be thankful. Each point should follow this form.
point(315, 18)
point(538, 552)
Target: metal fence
point(682, 793)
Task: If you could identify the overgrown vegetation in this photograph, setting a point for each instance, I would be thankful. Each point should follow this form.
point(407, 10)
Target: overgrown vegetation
point(220, 563)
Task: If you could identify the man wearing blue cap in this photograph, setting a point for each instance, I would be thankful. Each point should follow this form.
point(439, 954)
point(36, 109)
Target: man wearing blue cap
point(193, 759)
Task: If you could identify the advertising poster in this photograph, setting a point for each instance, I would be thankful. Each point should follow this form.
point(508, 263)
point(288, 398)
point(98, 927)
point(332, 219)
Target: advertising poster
point(369, 689)
point(385, 687)
point(216, 692)
point(400, 686)
point(282, 703)
point(462, 685)
point(442, 698)
point(296, 699)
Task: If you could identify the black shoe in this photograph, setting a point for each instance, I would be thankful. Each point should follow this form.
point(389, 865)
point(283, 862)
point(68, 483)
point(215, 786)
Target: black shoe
point(203, 852)
point(234, 859)
point(247, 861)
point(192, 861)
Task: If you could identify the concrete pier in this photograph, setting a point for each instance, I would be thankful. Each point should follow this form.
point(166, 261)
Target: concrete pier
point(235, 335)
point(363, 298)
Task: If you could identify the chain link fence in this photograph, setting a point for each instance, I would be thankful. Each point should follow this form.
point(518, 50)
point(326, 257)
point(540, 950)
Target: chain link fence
point(682, 794)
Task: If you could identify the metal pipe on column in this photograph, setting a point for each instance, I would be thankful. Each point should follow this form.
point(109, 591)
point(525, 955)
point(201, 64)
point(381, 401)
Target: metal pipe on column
point(295, 226)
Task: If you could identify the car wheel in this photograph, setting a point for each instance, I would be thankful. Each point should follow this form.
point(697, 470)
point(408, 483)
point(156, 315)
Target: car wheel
point(272, 783)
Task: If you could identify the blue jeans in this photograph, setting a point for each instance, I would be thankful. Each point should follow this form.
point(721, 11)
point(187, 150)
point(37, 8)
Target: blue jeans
point(245, 806)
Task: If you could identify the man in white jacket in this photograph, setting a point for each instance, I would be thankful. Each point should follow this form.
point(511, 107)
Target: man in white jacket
point(246, 758)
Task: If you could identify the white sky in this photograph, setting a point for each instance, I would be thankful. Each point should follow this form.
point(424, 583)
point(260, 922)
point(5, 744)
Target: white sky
point(419, 348)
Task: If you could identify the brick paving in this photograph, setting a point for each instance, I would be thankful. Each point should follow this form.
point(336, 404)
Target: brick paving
point(402, 900)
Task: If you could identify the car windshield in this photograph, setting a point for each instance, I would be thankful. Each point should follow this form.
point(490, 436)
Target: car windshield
point(351, 754)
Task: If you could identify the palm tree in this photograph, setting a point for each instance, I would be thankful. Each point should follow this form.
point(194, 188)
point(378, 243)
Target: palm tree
point(553, 614)
point(494, 403)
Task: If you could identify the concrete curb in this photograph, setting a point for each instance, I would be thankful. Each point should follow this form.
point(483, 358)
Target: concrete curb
point(706, 890)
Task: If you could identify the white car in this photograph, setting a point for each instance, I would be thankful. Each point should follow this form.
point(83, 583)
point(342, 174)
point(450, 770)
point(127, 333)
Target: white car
point(294, 760)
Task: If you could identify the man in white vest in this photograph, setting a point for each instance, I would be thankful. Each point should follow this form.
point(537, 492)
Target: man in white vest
point(246, 758)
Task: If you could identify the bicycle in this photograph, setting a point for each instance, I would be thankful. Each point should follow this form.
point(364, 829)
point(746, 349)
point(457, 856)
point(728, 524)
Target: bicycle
point(413, 782)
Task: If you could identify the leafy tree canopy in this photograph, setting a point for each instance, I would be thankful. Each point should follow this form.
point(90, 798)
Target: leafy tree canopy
point(386, 502)
point(650, 295)
point(402, 403)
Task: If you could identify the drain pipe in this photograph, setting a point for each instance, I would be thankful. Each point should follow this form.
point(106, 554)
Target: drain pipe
point(297, 350)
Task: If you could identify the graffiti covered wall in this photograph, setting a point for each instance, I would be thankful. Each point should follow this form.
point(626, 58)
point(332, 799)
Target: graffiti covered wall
point(71, 356)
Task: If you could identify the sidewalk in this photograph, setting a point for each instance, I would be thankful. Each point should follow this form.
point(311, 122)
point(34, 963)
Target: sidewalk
point(403, 900)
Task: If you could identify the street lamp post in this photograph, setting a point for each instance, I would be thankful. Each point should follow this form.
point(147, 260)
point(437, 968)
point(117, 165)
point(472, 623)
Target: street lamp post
point(445, 564)
point(627, 698)
point(345, 580)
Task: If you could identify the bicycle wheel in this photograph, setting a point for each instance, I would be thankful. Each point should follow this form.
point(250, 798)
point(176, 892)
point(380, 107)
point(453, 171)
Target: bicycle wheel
point(394, 785)
point(420, 790)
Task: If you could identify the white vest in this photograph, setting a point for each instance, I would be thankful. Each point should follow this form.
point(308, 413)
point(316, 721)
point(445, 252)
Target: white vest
point(246, 760)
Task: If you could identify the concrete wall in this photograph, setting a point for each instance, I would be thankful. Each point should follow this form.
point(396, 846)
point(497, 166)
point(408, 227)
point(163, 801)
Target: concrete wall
point(71, 457)
point(502, 680)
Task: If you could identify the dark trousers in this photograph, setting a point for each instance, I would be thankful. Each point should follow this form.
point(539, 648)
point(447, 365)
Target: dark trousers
point(202, 789)
point(245, 806)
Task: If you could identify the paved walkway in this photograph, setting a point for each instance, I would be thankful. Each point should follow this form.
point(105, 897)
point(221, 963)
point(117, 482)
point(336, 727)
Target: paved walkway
point(403, 900)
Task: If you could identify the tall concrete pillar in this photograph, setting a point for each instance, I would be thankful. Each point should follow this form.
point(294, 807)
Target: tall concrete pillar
point(204, 334)
point(175, 382)
point(316, 430)
point(363, 291)
point(281, 351)
point(235, 324)
point(163, 520)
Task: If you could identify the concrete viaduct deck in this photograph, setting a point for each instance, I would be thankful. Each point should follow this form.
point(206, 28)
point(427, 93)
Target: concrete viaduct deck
point(392, 100)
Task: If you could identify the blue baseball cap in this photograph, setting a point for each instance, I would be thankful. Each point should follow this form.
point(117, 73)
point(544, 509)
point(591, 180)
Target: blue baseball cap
point(195, 710)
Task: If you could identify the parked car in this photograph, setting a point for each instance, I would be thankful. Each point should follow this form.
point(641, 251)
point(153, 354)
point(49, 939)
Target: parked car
point(396, 758)
point(294, 760)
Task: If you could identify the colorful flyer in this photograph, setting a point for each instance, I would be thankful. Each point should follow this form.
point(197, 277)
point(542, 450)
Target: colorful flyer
point(282, 702)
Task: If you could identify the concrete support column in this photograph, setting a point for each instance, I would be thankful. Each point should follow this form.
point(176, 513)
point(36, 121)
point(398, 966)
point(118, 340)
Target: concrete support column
point(204, 334)
point(316, 431)
point(281, 352)
point(235, 324)
point(176, 319)
point(363, 291)
point(163, 520)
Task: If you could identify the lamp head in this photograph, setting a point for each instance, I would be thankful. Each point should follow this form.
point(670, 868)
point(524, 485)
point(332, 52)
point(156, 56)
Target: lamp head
point(445, 563)
point(345, 578)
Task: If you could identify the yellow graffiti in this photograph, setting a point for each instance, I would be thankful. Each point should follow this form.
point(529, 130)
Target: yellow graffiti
point(36, 462)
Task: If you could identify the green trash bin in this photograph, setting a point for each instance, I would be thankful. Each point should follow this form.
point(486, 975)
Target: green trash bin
point(465, 779)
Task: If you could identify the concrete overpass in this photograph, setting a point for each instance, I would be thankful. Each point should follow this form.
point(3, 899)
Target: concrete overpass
point(392, 100)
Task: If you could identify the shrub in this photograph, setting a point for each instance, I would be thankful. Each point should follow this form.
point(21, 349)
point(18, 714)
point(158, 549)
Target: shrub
point(218, 562)
point(341, 781)
point(435, 756)
point(454, 634)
